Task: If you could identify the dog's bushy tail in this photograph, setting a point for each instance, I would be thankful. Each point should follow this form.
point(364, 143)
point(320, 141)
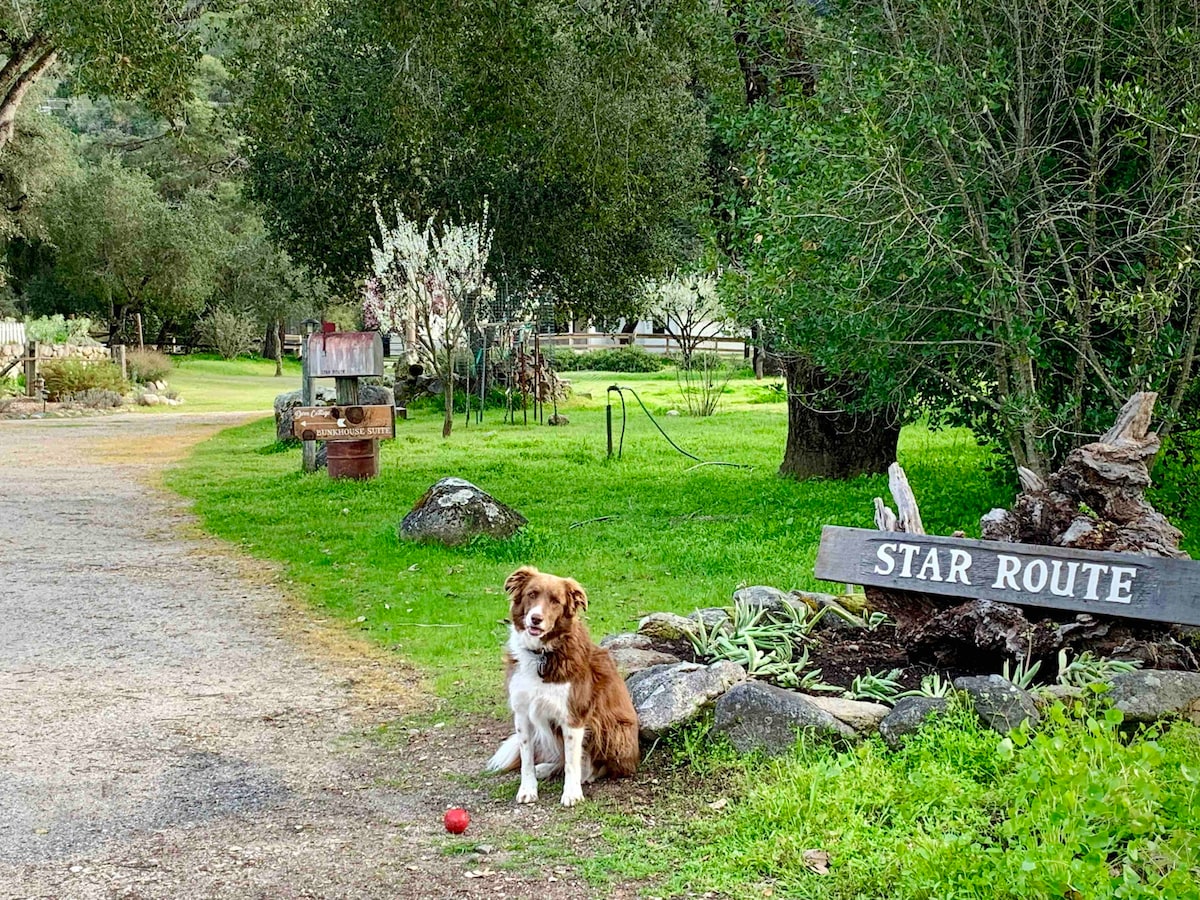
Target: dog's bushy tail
point(508, 757)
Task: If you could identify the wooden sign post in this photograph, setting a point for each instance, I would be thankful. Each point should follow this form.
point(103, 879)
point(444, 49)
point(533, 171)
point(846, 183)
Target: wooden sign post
point(1111, 584)
point(31, 369)
point(344, 423)
point(344, 356)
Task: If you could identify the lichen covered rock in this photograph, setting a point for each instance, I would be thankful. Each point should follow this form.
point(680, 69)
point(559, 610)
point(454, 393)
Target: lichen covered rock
point(453, 511)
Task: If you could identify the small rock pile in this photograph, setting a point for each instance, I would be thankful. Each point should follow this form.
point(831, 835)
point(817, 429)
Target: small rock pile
point(154, 393)
point(670, 687)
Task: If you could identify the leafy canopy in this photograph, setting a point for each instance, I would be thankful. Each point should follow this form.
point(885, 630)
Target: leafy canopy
point(983, 206)
point(577, 123)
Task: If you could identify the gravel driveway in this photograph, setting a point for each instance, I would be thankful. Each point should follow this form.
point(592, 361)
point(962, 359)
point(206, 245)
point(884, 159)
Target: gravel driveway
point(172, 726)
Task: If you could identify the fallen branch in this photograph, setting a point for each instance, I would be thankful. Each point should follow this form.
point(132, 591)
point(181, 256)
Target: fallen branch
point(590, 521)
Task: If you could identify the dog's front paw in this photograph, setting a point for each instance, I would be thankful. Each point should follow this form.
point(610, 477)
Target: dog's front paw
point(527, 794)
point(572, 795)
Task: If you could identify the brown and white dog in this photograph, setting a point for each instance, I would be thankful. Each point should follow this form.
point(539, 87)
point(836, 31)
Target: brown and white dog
point(571, 708)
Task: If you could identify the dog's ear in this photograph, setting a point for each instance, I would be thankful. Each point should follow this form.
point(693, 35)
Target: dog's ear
point(515, 583)
point(576, 596)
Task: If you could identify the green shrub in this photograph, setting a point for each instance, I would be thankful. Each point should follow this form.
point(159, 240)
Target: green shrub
point(96, 398)
point(65, 377)
point(1176, 490)
point(617, 359)
point(148, 365)
point(230, 333)
point(57, 330)
point(1076, 808)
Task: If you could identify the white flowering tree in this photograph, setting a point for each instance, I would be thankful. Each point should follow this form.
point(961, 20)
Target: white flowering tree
point(690, 311)
point(430, 282)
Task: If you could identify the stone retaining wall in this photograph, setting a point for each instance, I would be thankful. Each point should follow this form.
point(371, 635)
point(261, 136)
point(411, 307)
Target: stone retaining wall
point(88, 353)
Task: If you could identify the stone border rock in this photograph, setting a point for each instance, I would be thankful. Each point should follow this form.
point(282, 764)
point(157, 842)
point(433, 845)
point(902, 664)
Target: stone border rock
point(669, 690)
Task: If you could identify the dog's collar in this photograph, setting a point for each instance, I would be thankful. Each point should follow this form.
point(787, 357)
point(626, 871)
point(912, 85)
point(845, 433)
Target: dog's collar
point(541, 657)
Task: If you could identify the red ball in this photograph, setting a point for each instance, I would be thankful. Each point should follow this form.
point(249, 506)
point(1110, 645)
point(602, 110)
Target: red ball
point(456, 820)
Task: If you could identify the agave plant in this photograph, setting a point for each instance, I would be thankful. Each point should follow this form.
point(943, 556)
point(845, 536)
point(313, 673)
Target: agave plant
point(883, 687)
point(1021, 673)
point(931, 686)
point(1088, 669)
point(772, 644)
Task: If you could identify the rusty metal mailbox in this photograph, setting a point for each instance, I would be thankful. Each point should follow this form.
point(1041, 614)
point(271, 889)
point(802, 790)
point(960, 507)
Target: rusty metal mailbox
point(351, 431)
point(345, 354)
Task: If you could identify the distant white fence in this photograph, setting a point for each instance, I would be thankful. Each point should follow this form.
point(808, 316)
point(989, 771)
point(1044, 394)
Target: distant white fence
point(652, 343)
point(12, 332)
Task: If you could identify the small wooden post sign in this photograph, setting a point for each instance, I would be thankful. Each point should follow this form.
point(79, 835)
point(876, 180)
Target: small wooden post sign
point(1111, 584)
point(344, 354)
point(344, 423)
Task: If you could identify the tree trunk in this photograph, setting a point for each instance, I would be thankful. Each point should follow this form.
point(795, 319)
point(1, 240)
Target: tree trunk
point(164, 333)
point(280, 337)
point(116, 324)
point(269, 340)
point(834, 444)
point(448, 399)
point(39, 55)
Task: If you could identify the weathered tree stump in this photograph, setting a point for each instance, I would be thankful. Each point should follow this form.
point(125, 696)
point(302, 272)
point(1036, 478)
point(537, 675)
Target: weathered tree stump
point(1095, 501)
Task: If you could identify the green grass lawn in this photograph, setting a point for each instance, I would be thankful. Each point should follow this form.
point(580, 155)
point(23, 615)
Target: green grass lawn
point(676, 536)
point(1078, 810)
point(208, 383)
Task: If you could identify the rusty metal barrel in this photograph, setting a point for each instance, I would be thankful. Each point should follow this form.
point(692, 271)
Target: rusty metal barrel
point(353, 459)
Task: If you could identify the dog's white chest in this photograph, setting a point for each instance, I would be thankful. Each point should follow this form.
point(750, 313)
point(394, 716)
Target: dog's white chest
point(545, 703)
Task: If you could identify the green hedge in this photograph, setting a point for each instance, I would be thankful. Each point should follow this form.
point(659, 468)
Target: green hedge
point(65, 377)
point(617, 359)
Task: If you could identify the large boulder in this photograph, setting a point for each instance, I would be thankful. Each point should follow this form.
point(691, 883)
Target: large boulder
point(1151, 694)
point(374, 395)
point(671, 695)
point(760, 716)
point(626, 640)
point(664, 626)
point(710, 616)
point(1000, 704)
point(634, 652)
point(325, 395)
point(864, 717)
point(762, 595)
point(631, 660)
point(453, 511)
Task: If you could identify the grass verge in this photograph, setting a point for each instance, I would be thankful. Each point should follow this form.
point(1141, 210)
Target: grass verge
point(1078, 809)
point(647, 532)
point(208, 383)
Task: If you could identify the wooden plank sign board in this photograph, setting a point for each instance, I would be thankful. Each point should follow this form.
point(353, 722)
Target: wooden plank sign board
point(1111, 584)
point(344, 354)
point(344, 423)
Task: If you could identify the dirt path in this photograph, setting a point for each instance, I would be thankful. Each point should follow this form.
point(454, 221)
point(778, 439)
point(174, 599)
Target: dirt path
point(171, 726)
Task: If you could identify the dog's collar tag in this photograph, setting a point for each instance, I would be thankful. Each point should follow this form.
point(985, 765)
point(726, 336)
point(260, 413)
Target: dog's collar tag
point(541, 661)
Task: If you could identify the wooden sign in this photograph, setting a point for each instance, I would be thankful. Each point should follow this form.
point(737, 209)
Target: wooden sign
point(344, 354)
point(1112, 584)
point(344, 423)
